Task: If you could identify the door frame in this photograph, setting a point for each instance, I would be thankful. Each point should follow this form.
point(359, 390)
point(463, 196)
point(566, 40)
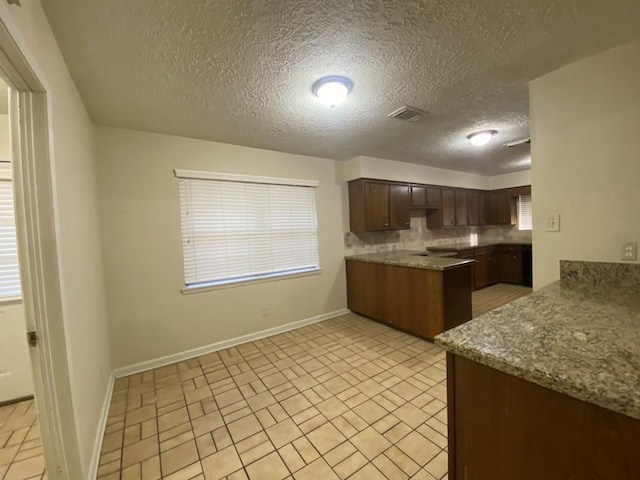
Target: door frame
point(29, 107)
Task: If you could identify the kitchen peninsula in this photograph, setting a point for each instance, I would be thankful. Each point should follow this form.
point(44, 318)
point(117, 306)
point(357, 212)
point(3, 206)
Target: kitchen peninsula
point(412, 291)
point(549, 385)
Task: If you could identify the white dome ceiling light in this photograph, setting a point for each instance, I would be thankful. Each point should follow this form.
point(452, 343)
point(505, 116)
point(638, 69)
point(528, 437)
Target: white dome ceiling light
point(481, 138)
point(332, 91)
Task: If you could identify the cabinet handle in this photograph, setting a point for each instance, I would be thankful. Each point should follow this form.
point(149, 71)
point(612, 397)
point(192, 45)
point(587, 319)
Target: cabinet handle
point(407, 223)
point(514, 257)
point(386, 225)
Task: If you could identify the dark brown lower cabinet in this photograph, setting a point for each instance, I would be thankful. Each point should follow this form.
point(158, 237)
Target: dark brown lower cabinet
point(493, 268)
point(481, 278)
point(502, 427)
point(510, 258)
point(416, 300)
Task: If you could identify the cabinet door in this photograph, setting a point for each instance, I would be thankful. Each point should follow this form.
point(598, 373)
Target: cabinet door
point(480, 273)
point(500, 212)
point(448, 207)
point(462, 215)
point(511, 267)
point(483, 209)
point(399, 207)
point(473, 208)
point(493, 268)
point(377, 206)
point(418, 196)
point(433, 197)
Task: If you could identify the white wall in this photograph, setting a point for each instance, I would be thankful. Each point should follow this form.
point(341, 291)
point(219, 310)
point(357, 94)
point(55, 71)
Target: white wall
point(149, 317)
point(585, 120)
point(371, 167)
point(78, 229)
point(508, 180)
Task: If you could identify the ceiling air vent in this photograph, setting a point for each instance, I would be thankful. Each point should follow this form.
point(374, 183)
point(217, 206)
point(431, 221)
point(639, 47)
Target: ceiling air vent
point(517, 143)
point(407, 114)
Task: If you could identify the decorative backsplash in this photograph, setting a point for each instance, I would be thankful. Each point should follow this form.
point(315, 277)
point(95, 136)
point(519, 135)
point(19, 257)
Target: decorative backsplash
point(419, 237)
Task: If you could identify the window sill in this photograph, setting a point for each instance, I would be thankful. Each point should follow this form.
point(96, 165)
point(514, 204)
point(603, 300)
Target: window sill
point(10, 300)
point(221, 284)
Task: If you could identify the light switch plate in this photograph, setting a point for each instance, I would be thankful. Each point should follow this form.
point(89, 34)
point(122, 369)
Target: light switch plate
point(630, 251)
point(553, 223)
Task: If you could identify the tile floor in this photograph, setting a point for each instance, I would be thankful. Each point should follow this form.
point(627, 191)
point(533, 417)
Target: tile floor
point(347, 398)
point(20, 448)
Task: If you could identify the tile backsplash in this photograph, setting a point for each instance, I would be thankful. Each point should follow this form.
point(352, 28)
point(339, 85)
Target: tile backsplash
point(419, 237)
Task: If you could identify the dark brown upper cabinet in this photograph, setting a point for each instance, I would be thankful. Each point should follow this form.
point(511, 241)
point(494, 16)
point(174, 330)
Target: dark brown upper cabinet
point(448, 207)
point(501, 208)
point(423, 196)
point(483, 208)
point(462, 213)
point(376, 205)
point(399, 207)
point(473, 206)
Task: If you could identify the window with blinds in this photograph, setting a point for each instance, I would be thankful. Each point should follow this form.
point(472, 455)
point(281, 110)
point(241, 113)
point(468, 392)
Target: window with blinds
point(525, 218)
point(9, 271)
point(238, 228)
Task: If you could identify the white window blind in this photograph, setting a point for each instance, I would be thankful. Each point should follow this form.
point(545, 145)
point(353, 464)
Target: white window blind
point(525, 218)
point(9, 271)
point(243, 230)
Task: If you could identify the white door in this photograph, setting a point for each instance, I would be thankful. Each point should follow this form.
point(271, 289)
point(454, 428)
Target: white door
point(16, 380)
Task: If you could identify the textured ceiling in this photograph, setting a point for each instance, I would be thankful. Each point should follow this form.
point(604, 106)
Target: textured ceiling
point(241, 71)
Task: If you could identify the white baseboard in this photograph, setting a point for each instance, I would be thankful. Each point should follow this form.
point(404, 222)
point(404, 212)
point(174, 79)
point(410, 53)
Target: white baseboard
point(196, 352)
point(102, 425)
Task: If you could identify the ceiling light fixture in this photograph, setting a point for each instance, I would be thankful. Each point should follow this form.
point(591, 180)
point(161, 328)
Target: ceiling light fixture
point(481, 138)
point(332, 90)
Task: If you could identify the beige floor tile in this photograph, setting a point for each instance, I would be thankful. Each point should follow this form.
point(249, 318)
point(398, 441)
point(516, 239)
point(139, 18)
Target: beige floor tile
point(325, 438)
point(370, 443)
point(370, 411)
point(179, 457)
point(317, 470)
point(244, 428)
point(270, 467)
point(418, 448)
point(187, 473)
point(438, 465)
point(284, 432)
point(207, 423)
point(368, 472)
point(350, 465)
point(140, 451)
point(25, 469)
point(221, 464)
point(291, 458)
point(402, 460)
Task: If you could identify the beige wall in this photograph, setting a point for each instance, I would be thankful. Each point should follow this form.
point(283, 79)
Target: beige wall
point(585, 120)
point(149, 317)
point(78, 230)
point(5, 148)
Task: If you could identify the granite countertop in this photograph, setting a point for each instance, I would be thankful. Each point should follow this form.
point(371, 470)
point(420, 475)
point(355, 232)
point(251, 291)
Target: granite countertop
point(454, 247)
point(410, 258)
point(578, 336)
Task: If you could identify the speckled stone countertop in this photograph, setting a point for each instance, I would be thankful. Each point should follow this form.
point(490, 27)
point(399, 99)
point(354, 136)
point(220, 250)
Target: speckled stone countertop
point(409, 258)
point(579, 336)
point(454, 247)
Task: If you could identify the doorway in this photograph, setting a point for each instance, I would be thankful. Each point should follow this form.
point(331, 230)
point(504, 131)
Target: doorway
point(21, 454)
point(39, 284)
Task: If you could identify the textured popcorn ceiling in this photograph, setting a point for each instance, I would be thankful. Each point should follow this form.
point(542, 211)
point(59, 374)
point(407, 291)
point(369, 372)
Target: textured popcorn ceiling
point(240, 71)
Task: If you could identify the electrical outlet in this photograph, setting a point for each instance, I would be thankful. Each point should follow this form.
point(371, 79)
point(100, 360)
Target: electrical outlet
point(264, 311)
point(630, 251)
point(553, 223)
